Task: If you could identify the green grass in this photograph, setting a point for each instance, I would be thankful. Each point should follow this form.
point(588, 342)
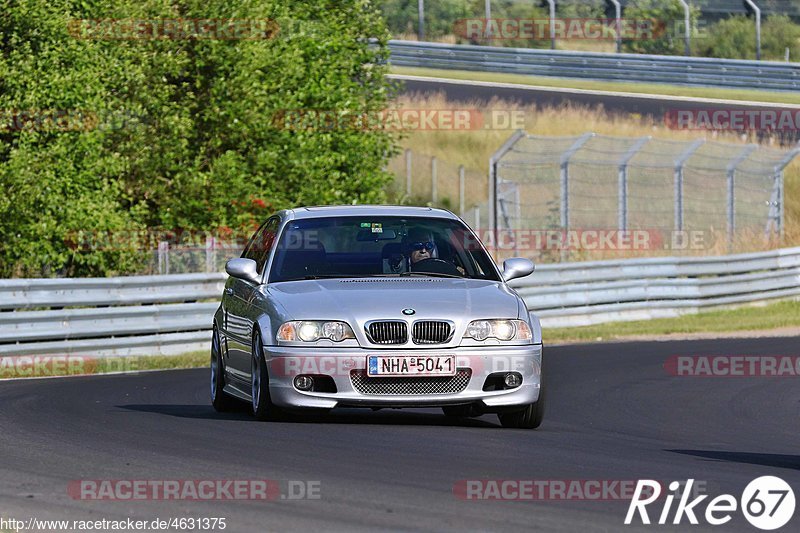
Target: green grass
point(749, 95)
point(74, 365)
point(782, 314)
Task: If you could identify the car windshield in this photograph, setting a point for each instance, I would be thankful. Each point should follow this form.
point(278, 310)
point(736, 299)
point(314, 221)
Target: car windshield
point(367, 246)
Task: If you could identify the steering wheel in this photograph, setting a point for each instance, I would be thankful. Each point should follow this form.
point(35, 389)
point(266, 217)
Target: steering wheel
point(436, 266)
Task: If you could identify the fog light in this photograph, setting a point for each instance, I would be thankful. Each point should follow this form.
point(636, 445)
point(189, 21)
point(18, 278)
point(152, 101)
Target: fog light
point(512, 380)
point(304, 383)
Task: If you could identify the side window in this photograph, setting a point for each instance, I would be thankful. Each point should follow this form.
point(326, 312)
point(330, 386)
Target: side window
point(260, 245)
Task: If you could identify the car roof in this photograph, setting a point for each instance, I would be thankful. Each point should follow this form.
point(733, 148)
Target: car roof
point(367, 210)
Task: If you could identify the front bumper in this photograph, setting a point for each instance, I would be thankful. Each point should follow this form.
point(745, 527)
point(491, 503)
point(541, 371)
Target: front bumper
point(285, 363)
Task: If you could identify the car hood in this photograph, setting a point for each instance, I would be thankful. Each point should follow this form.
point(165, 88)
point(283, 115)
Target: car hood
point(358, 300)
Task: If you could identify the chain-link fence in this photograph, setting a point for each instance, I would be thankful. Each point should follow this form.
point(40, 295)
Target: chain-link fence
point(582, 197)
point(173, 258)
point(423, 179)
point(618, 184)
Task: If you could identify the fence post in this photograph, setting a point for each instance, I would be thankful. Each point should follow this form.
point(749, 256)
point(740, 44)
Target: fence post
point(487, 7)
point(679, 164)
point(777, 203)
point(583, 139)
point(210, 254)
point(622, 186)
point(757, 11)
point(618, 17)
point(163, 257)
point(408, 172)
point(731, 172)
point(477, 212)
point(421, 14)
point(552, 24)
point(505, 148)
point(781, 209)
point(434, 181)
point(687, 32)
point(461, 188)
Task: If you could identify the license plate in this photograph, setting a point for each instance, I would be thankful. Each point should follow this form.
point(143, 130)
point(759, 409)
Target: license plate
point(411, 365)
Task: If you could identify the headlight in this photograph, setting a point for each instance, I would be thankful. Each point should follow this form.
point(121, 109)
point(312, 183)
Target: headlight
point(504, 330)
point(314, 330)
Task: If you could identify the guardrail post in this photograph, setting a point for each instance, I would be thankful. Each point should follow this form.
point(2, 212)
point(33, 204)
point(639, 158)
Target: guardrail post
point(493, 161)
point(461, 190)
point(680, 162)
point(731, 172)
point(434, 181)
point(408, 172)
point(622, 188)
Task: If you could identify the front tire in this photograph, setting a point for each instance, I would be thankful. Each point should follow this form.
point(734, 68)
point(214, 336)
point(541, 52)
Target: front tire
point(263, 408)
point(219, 398)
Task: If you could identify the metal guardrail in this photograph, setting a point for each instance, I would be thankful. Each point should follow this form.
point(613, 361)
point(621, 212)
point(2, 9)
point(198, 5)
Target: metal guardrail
point(126, 316)
point(575, 294)
point(643, 68)
point(108, 316)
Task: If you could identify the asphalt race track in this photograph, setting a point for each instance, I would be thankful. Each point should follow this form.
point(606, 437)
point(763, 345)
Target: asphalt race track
point(613, 103)
point(614, 414)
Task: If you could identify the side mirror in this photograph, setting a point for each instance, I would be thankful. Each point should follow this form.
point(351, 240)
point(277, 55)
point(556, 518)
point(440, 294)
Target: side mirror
point(243, 269)
point(517, 267)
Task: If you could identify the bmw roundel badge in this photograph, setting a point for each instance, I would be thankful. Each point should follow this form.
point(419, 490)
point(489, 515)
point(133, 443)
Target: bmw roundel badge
point(408, 311)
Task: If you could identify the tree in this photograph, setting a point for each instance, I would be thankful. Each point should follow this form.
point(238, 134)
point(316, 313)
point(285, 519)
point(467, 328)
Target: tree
point(735, 38)
point(177, 133)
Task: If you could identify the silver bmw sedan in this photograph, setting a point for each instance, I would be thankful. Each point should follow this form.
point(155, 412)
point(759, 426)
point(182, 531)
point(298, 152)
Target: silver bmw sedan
point(377, 307)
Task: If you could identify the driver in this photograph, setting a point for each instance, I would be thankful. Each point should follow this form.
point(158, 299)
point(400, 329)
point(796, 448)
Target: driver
point(420, 246)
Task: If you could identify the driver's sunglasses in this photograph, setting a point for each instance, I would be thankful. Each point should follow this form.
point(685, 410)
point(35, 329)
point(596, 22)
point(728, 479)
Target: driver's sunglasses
point(419, 246)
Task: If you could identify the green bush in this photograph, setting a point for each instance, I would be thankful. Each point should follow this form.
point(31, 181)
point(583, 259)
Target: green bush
point(198, 148)
point(668, 20)
point(735, 38)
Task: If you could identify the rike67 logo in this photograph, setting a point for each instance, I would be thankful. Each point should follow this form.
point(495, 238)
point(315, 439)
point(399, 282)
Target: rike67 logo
point(767, 503)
